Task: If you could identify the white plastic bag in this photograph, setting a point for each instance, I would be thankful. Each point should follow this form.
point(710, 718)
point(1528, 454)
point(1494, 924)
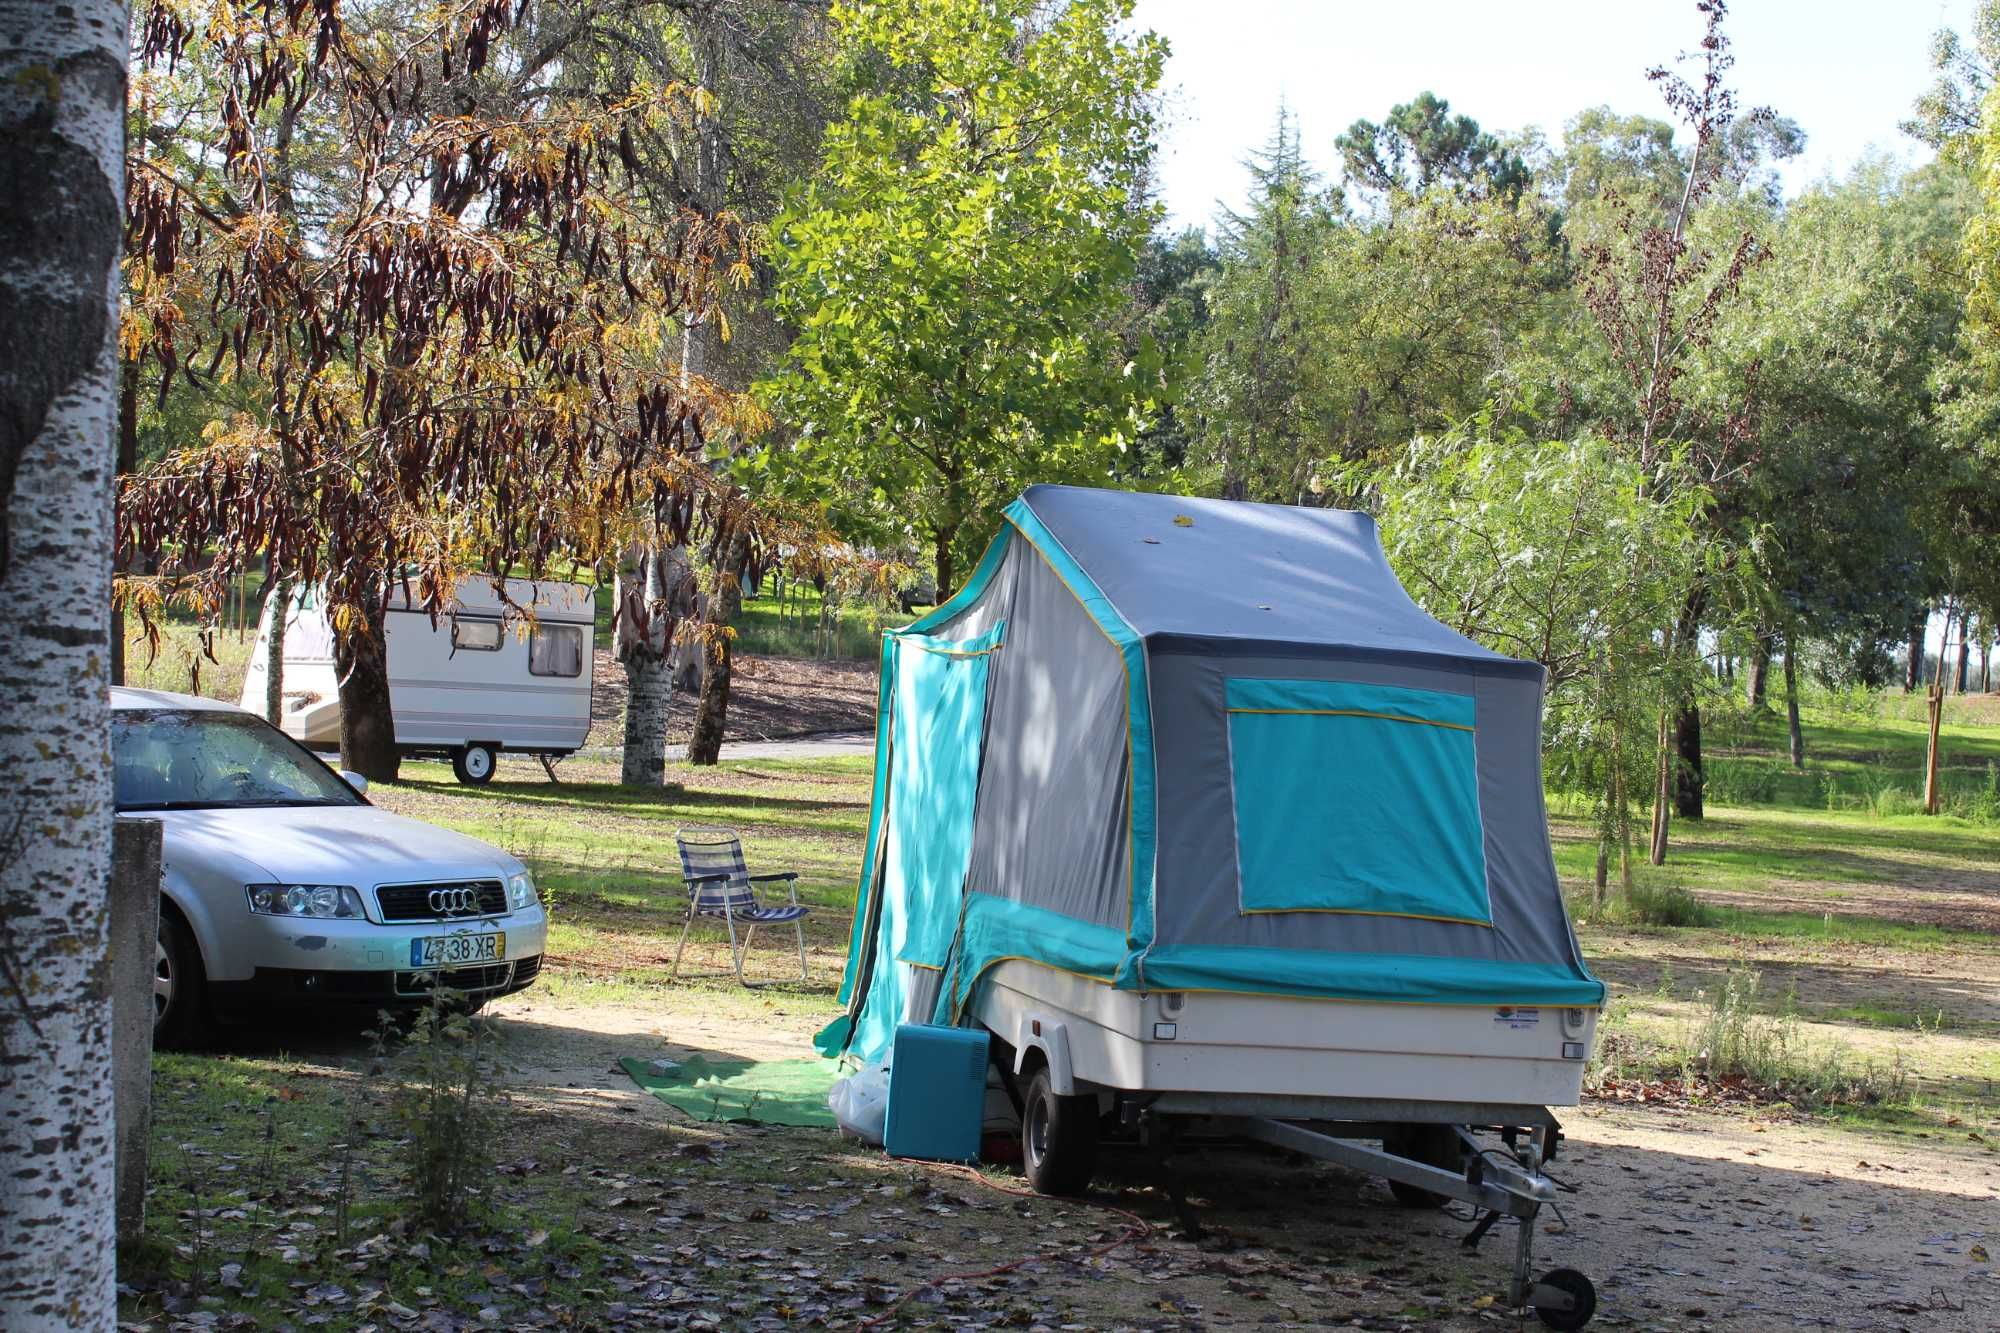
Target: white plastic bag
point(860, 1103)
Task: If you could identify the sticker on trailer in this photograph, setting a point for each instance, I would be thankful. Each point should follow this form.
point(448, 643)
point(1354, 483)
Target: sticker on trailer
point(1519, 1020)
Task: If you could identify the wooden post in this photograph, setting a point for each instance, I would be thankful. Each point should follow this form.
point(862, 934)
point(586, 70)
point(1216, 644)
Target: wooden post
point(1936, 703)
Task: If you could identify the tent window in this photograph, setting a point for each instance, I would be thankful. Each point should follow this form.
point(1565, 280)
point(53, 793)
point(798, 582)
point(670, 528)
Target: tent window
point(478, 636)
point(555, 650)
point(1356, 798)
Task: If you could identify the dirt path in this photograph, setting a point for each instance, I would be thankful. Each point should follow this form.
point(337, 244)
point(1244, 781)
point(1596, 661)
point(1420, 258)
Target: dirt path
point(769, 698)
point(1683, 1219)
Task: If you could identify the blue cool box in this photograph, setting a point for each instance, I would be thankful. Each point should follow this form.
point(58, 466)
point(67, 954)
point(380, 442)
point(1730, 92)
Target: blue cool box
point(937, 1093)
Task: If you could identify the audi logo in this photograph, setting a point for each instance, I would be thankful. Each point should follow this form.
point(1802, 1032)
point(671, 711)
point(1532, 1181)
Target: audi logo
point(454, 902)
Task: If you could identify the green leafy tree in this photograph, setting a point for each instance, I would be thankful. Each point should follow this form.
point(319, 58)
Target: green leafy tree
point(1334, 338)
point(1554, 552)
point(1422, 144)
point(1261, 385)
point(1845, 328)
point(1948, 115)
point(957, 265)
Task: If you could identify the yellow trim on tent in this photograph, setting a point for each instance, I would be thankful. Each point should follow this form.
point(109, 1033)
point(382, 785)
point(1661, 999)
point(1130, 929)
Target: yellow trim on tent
point(1362, 911)
point(1355, 712)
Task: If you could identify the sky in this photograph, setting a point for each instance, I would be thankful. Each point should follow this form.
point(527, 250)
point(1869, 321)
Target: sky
point(1846, 70)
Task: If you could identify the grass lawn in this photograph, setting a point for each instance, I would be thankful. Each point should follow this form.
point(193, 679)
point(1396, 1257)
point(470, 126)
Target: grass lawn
point(605, 856)
point(1841, 944)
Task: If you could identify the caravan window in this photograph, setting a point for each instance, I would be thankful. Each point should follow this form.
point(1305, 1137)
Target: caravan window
point(480, 636)
point(556, 650)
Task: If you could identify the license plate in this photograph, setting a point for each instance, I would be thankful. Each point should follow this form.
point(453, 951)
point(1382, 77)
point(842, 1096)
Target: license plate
point(453, 950)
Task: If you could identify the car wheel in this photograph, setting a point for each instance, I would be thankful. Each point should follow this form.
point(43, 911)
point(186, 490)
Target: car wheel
point(473, 764)
point(180, 987)
point(1058, 1138)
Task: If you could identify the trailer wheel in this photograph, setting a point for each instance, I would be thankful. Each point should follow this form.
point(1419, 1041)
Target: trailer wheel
point(1058, 1138)
point(473, 764)
point(1582, 1299)
point(1433, 1145)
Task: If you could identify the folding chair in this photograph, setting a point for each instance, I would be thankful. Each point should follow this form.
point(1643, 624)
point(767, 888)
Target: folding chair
point(719, 884)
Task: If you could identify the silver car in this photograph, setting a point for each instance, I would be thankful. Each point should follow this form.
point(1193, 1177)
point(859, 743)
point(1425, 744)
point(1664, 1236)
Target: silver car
point(284, 885)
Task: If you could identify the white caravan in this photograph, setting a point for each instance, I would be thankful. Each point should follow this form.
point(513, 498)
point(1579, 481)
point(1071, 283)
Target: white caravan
point(483, 678)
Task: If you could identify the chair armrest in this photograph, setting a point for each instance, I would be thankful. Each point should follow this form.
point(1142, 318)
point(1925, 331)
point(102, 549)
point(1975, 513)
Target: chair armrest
point(692, 880)
point(786, 875)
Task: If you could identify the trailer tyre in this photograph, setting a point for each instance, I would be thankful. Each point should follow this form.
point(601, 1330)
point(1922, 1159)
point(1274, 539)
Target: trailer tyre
point(473, 764)
point(1058, 1138)
point(1433, 1145)
point(1582, 1295)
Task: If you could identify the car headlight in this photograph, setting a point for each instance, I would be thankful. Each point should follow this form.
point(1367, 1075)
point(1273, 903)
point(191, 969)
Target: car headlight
point(330, 901)
point(521, 890)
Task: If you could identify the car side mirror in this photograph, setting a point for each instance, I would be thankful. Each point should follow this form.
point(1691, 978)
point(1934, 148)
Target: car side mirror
point(355, 780)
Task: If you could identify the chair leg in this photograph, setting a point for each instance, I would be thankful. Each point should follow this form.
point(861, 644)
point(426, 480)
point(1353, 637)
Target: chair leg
point(735, 952)
point(800, 926)
point(681, 947)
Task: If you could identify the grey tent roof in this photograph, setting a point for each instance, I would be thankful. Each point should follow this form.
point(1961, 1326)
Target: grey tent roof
point(1247, 573)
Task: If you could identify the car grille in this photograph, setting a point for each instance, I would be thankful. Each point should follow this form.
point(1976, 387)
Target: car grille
point(413, 902)
point(469, 980)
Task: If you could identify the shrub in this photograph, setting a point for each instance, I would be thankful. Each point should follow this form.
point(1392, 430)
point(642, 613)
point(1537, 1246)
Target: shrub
point(1668, 903)
point(1732, 1040)
point(445, 1105)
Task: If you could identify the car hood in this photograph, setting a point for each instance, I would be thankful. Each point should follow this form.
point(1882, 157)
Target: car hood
point(358, 845)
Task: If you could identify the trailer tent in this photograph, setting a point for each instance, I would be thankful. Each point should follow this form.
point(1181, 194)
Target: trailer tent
point(1171, 744)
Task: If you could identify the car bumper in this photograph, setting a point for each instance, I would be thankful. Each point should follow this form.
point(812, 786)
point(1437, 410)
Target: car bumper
point(255, 944)
point(280, 986)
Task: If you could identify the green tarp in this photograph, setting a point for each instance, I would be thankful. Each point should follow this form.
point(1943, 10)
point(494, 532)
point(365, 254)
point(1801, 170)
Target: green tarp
point(764, 1092)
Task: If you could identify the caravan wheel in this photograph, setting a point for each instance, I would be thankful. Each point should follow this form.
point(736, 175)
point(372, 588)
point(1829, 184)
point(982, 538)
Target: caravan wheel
point(473, 764)
point(1058, 1138)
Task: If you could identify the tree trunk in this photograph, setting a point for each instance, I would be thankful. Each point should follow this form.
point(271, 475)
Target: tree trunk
point(1687, 716)
point(128, 462)
point(1798, 735)
point(367, 721)
point(279, 602)
point(1913, 671)
point(62, 123)
point(1932, 794)
point(641, 639)
point(1663, 785)
point(1688, 777)
point(1964, 654)
point(947, 572)
point(1759, 673)
point(686, 661)
point(1986, 664)
point(724, 600)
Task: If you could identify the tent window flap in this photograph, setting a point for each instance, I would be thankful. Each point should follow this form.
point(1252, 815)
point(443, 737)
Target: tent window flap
point(1356, 798)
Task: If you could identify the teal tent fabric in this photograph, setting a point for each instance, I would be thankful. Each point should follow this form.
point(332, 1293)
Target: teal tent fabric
point(1389, 978)
point(996, 929)
point(1142, 808)
point(1356, 798)
point(933, 781)
point(833, 1039)
point(878, 794)
point(1227, 752)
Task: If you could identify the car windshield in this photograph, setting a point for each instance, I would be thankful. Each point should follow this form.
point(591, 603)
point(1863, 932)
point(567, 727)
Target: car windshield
point(198, 760)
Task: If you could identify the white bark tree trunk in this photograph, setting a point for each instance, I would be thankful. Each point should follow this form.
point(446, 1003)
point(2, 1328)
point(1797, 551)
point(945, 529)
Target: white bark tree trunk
point(62, 108)
point(641, 642)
